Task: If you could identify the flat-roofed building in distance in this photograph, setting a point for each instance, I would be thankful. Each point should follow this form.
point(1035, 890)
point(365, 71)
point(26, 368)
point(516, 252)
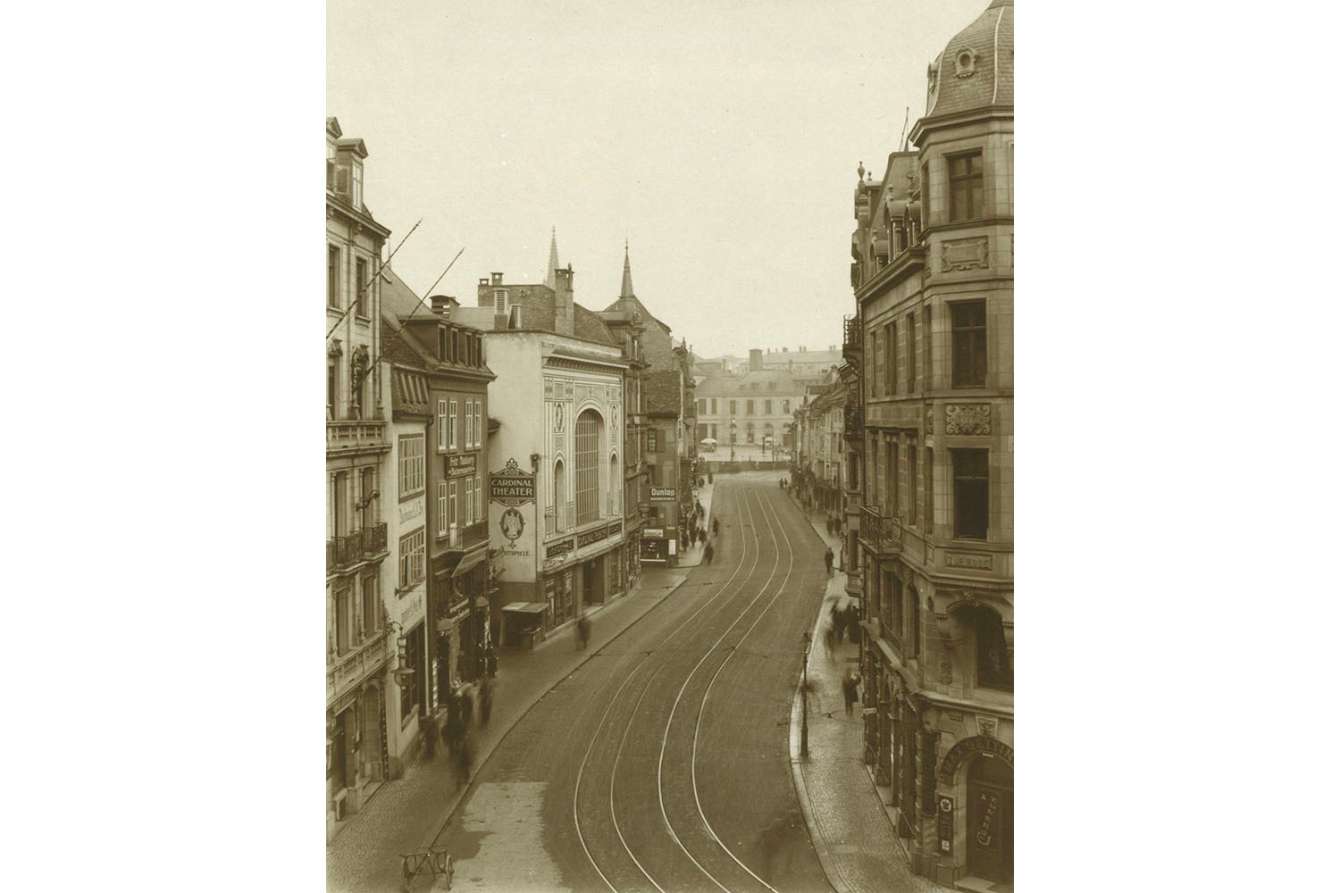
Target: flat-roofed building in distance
point(933, 273)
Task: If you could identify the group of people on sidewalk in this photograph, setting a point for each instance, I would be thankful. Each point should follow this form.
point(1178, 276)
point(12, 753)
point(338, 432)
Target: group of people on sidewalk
point(455, 732)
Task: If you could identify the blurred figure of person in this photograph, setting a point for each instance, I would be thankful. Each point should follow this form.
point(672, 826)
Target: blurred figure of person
point(465, 758)
point(583, 632)
point(716, 527)
point(849, 691)
point(828, 560)
point(707, 553)
point(485, 702)
point(491, 661)
point(467, 705)
point(428, 725)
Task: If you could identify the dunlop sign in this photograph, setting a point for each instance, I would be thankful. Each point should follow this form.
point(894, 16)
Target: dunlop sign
point(662, 494)
point(511, 486)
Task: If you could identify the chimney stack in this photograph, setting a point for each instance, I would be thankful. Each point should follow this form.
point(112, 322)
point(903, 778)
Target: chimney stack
point(563, 312)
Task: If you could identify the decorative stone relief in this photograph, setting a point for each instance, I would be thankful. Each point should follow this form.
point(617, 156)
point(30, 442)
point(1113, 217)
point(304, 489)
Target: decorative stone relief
point(930, 420)
point(968, 418)
point(964, 254)
point(986, 725)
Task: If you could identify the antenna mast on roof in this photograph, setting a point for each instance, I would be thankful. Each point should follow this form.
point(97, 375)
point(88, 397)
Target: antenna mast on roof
point(907, 110)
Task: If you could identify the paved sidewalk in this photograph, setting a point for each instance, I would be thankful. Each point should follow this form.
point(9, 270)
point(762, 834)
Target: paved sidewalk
point(848, 821)
point(406, 814)
point(693, 555)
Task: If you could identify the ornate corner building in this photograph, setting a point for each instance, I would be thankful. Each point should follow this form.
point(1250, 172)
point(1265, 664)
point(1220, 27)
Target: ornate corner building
point(932, 440)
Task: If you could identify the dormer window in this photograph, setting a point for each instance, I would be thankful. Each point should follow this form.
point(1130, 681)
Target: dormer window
point(358, 184)
point(514, 322)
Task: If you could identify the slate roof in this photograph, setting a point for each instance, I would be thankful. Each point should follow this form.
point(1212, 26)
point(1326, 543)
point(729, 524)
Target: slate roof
point(660, 391)
point(990, 79)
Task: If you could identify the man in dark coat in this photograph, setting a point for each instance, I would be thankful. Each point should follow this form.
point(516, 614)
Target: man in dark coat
point(828, 560)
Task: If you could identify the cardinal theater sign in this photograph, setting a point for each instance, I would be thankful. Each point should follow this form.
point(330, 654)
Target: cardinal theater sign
point(511, 486)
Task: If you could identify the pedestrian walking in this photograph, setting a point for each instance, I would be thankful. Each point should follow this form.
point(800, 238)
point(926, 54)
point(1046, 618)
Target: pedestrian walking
point(707, 553)
point(583, 632)
point(465, 759)
point(848, 692)
point(485, 702)
point(491, 661)
point(828, 560)
point(467, 706)
point(716, 527)
point(428, 723)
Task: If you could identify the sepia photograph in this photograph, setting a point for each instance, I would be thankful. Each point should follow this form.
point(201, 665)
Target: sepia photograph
point(669, 447)
point(658, 533)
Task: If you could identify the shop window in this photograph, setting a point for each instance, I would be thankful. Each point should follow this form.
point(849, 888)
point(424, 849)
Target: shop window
point(969, 344)
point(971, 501)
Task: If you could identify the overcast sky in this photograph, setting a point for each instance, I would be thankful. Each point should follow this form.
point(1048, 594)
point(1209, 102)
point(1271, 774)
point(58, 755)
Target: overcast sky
point(721, 138)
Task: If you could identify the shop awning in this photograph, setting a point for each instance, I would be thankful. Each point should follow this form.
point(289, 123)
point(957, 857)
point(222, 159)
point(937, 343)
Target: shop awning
point(469, 562)
point(526, 607)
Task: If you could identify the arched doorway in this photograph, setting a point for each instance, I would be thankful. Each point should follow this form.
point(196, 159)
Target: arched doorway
point(990, 818)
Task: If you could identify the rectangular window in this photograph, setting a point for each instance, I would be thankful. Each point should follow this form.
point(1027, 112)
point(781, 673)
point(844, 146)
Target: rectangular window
point(651, 442)
point(441, 426)
point(925, 195)
point(361, 283)
point(912, 483)
point(343, 620)
point(891, 361)
point(786, 407)
point(451, 504)
point(749, 407)
point(969, 328)
point(469, 504)
point(702, 407)
point(893, 478)
point(332, 382)
point(911, 352)
point(340, 505)
point(367, 488)
point(926, 347)
point(411, 558)
point(479, 499)
point(411, 464)
point(479, 423)
point(965, 186)
point(451, 424)
point(333, 276)
point(371, 606)
point(732, 407)
point(767, 407)
point(930, 490)
point(871, 366)
point(970, 493)
point(442, 508)
point(714, 406)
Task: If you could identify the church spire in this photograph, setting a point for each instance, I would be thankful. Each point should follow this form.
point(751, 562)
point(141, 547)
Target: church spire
point(549, 279)
point(626, 291)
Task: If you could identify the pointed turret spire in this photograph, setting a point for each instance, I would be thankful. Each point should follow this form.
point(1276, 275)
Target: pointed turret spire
point(549, 279)
point(626, 291)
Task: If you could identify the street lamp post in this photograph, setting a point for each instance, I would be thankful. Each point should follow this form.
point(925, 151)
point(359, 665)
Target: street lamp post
point(805, 700)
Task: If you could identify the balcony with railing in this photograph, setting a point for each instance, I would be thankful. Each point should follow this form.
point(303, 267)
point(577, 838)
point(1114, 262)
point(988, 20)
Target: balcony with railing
point(349, 550)
point(463, 539)
point(348, 670)
point(881, 532)
point(355, 435)
point(851, 339)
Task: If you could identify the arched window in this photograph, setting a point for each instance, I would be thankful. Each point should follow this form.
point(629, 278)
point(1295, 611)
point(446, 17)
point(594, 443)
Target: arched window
point(995, 669)
point(615, 486)
point(560, 489)
point(587, 459)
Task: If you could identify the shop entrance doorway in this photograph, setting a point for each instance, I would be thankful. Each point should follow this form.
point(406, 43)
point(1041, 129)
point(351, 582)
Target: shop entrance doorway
point(990, 819)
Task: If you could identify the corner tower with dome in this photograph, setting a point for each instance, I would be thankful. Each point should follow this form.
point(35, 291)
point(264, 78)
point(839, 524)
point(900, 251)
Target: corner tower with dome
point(933, 275)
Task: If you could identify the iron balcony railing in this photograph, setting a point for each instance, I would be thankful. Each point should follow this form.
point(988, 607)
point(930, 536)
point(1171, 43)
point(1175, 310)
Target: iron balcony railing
point(882, 532)
point(351, 548)
point(374, 539)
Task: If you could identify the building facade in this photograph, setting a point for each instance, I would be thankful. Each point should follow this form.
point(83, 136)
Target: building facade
point(556, 498)
point(440, 596)
point(819, 462)
point(752, 409)
point(357, 446)
point(933, 275)
point(662, 426)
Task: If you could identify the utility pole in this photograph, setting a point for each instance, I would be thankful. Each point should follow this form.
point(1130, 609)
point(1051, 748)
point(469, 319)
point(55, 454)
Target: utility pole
point(805, 701)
